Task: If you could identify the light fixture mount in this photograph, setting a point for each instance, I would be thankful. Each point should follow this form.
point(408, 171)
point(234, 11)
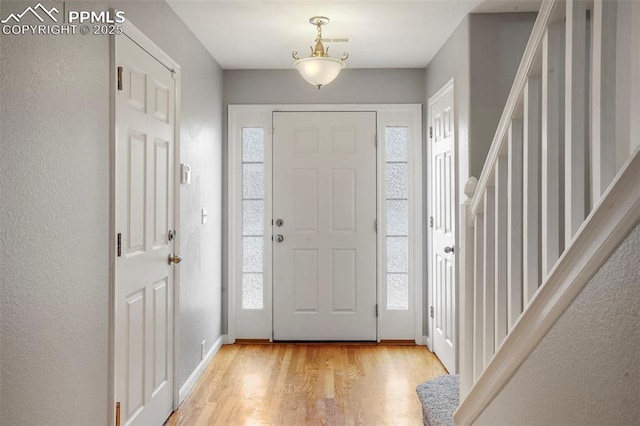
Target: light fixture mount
point(319, 69)
point(319, 20)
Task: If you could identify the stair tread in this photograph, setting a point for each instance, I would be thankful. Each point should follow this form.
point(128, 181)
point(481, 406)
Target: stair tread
point(439, 397)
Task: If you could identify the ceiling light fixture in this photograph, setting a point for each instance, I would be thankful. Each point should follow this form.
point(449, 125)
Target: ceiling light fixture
point(319, 69)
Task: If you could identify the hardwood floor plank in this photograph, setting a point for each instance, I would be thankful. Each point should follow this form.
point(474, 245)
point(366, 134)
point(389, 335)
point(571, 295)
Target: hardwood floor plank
point(310, 384)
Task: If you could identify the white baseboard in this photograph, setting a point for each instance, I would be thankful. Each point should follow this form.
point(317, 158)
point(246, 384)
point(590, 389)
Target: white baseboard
point(427, 341)
point(193, 379)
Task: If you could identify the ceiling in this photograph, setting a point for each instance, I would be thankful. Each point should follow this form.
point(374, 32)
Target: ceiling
point(261, 34)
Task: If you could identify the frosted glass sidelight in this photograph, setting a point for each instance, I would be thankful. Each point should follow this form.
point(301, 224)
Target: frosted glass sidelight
point(252, 217)
point(396, 149)
point(397, 254)
point(397, 217)
point(252, 254)
point(398, 291)
point(397, 193)
point(397, 180)
point(252, 181)
point(252, 291)
point(252, 144)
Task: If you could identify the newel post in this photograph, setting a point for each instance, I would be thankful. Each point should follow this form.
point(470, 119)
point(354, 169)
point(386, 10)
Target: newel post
point(466, 302)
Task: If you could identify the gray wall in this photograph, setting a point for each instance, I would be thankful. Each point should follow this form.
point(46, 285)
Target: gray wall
point(353, 86)
point(586, 370)
point(497, 42)
point(453, 62)
point(54, 205)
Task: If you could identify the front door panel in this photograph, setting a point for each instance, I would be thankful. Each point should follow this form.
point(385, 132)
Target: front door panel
point(324, 191)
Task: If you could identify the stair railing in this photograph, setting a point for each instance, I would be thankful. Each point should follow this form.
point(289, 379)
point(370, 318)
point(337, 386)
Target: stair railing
point(558, 192)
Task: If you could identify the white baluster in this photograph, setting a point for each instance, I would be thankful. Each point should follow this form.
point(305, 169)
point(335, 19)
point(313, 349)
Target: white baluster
point(531, 183)
point(514, 220)
point(603, 95)
point(478, 295)
point(575, 113)
point(501, 251)
point(466, 254)
point(489, 282)
point(552, 140)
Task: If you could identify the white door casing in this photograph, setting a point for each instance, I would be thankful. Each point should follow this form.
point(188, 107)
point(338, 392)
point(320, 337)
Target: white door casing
point(258, 323)
point(324, 191)
point(144, 215)
point(442, 255)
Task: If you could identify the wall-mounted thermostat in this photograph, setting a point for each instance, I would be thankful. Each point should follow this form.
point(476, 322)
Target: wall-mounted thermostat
point(185, 174)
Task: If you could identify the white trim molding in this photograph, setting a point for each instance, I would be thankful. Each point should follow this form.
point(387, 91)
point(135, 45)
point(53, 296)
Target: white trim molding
point(258, 324)
point(200, 369)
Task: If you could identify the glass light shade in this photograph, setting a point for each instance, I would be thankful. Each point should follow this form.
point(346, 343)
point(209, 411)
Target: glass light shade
point(319, 71)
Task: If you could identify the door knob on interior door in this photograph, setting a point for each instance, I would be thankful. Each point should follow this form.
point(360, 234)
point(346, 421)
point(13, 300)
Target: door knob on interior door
point(174, 258)
point(279, 238)
point(448, 249)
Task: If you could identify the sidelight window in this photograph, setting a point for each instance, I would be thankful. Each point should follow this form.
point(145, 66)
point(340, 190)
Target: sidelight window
point(397, 239)
point(252, 218)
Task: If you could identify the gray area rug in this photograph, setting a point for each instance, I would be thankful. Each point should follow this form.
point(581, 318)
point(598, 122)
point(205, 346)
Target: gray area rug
point(440, 398)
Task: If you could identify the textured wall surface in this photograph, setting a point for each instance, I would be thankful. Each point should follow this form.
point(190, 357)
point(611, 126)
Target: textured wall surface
point(353, 86)
point(54, 172)
point(586, 370)
point(54, 209)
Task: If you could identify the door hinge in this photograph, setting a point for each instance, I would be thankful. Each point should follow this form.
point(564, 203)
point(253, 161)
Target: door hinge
point(431, 222)
point(431, 312)
point(119, 78)
point(377, 310)
point(117, 413)
point(375, 225)
point(273, 130)
point(119, 243)
point(376, 142)
point(430, 132)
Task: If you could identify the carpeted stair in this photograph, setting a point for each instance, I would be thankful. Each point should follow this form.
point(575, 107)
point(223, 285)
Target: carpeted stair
point(440, 398)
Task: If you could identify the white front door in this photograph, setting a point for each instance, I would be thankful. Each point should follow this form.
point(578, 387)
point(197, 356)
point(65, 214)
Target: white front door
point(324, 248)
point(442, 265)
point(144, 216)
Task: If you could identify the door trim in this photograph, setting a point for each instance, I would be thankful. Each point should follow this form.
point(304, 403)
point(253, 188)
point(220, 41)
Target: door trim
point(132, 32)
point(448, 86)
point(261, 116)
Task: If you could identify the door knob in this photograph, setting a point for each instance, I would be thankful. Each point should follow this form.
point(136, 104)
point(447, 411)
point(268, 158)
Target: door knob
point(448, 249)
point(279, 238)
point(174, 258)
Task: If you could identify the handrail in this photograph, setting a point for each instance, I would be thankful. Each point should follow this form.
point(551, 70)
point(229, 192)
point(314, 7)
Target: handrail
point(526, 64)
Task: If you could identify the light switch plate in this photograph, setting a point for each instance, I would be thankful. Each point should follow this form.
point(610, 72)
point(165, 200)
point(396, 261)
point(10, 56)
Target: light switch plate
point(185, 174)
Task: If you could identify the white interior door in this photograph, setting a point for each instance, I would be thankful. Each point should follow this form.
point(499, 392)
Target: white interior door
point(442, 265)
point(324, 192)
point(144, 217)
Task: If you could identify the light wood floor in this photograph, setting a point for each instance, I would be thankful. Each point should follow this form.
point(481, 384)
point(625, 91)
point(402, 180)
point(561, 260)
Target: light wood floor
point(300, 384)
